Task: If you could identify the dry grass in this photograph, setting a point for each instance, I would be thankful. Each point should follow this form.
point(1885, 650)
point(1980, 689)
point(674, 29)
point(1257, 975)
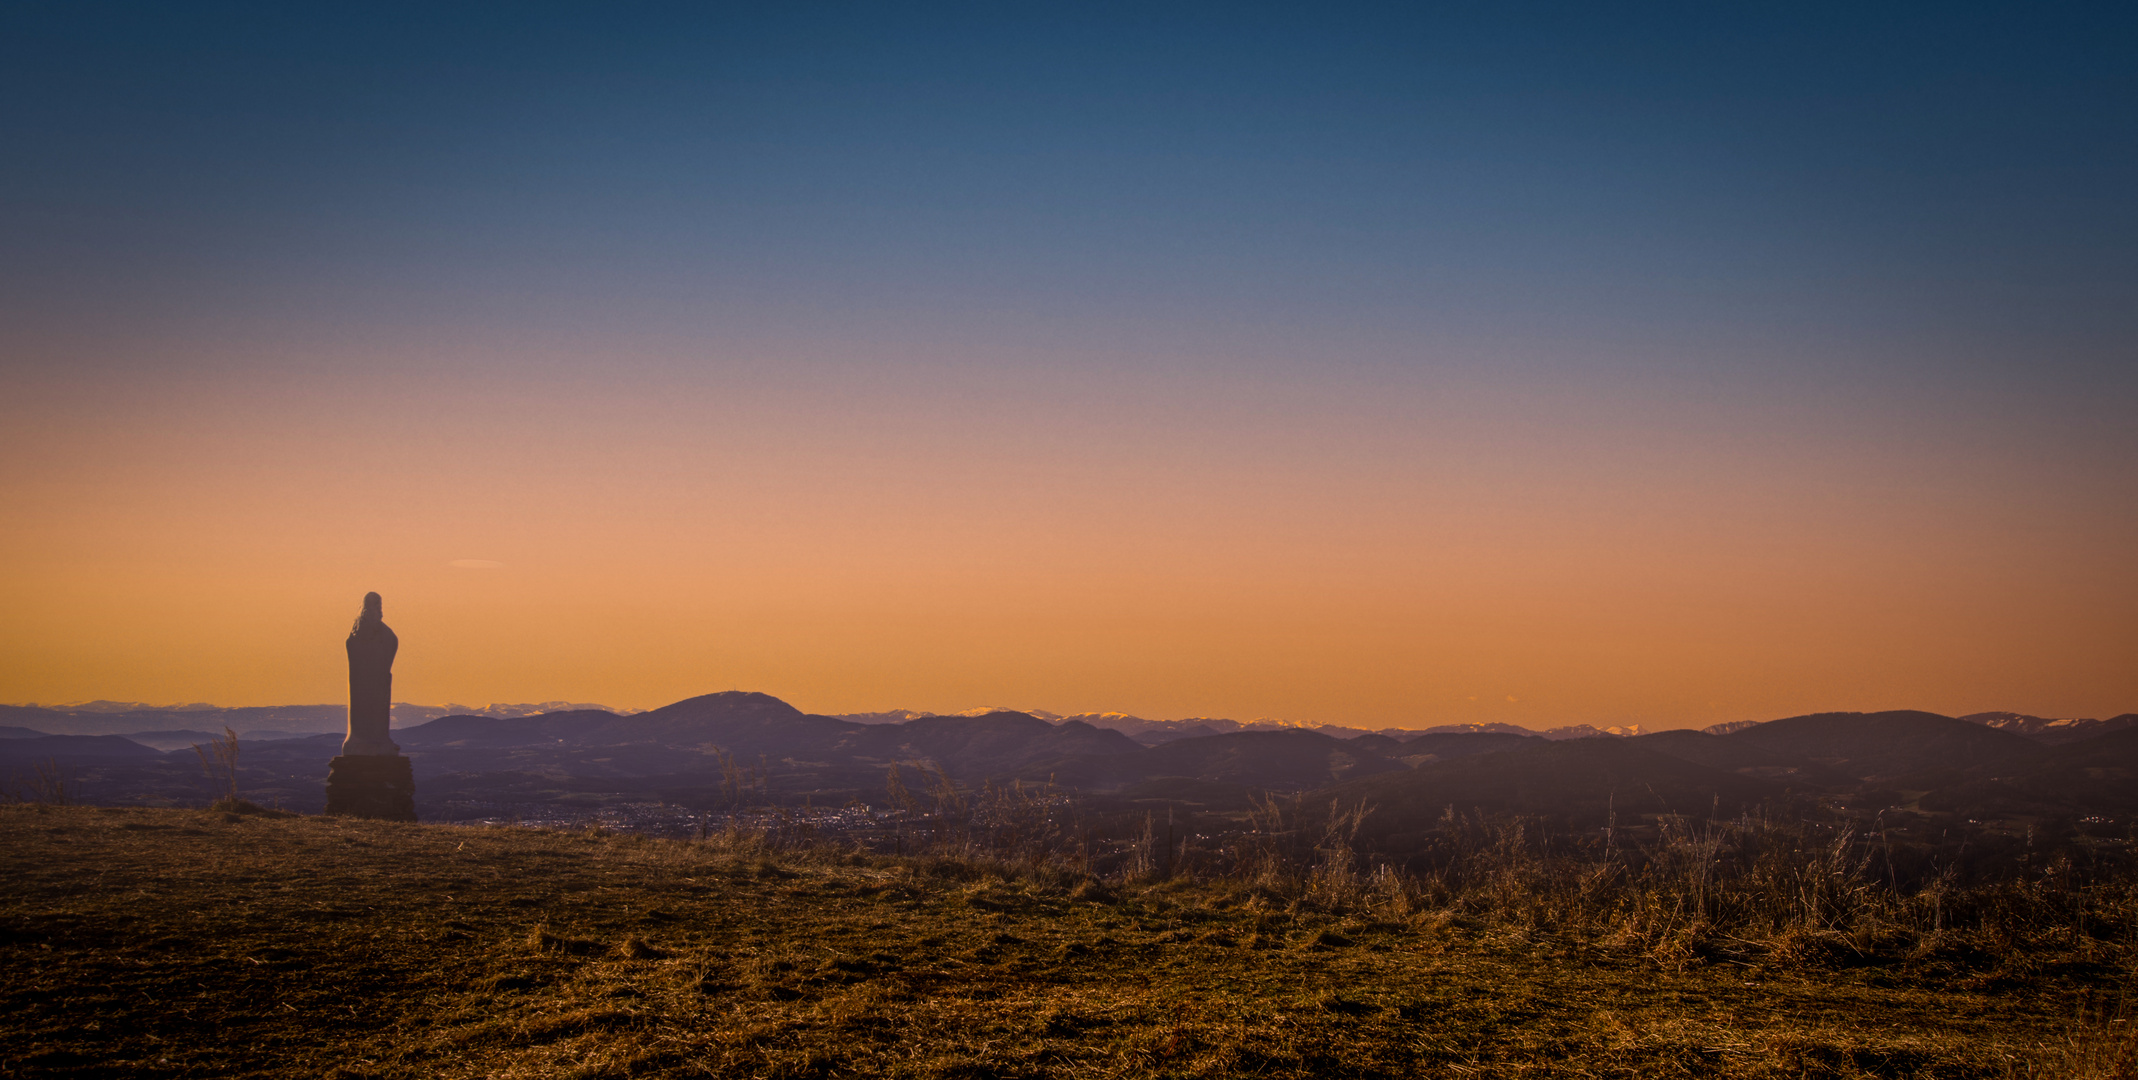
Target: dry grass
point(191, 943)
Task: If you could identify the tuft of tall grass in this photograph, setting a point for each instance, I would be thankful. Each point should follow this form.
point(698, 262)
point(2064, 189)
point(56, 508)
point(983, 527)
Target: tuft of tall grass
point(219, 760)
point(49, 784)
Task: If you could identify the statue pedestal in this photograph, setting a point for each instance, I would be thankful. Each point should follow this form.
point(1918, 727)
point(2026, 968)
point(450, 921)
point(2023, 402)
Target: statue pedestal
point(371, 786)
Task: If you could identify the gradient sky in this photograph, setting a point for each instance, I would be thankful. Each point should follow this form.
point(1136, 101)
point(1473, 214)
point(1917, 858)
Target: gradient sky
point(1384, 365)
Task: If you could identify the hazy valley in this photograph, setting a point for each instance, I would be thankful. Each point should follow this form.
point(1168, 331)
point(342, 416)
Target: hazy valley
point(690, 766)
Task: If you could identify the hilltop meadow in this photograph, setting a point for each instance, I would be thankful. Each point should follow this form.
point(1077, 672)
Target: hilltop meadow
point(237, 942)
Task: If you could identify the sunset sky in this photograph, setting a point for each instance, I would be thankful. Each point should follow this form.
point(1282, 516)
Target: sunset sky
point(1379, 365)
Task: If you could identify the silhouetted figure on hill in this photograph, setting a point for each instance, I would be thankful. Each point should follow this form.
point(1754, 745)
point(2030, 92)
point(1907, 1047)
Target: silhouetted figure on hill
point(371, 779)
point(371, 648)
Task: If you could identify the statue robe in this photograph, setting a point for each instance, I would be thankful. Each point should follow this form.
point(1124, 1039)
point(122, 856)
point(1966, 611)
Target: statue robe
point(371, 649)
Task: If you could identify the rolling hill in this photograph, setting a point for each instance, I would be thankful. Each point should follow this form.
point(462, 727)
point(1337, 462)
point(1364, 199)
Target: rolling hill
point(1585, 782)
point(1293, 760)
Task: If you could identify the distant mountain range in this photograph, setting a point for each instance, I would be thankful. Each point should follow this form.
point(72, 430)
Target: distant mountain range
point(720, 750)
point(133, 718)
point(261, 722)
point(1154, 732)
point(2053, 732)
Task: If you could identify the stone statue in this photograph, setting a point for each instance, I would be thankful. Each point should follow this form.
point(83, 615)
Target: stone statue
point(371, 779)
point(371, 647)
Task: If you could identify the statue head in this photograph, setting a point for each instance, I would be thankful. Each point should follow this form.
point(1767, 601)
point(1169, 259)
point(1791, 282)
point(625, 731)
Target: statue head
point(373, 611)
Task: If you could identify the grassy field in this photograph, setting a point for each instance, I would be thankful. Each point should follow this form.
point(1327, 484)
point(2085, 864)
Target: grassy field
point(144, 943)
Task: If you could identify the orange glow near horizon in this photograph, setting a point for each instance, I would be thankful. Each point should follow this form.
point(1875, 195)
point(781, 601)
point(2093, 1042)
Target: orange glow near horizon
point(1389, 367)
point(1383, 552)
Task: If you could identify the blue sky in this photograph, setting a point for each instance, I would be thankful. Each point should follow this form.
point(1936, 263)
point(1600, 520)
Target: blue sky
point(1950, 173)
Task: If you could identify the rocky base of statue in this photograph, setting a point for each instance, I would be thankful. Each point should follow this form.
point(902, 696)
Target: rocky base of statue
point(371, 786)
